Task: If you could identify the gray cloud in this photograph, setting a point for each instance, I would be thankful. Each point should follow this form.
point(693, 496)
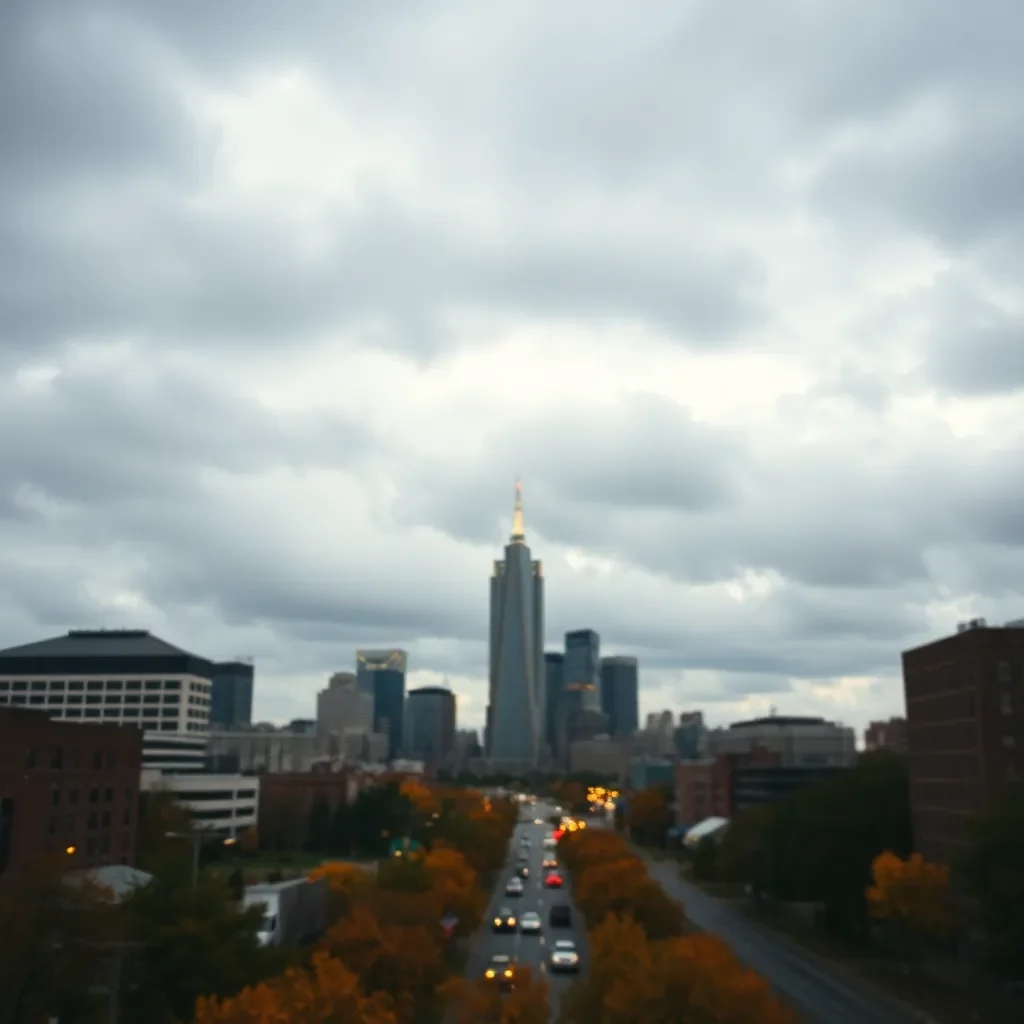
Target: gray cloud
point(581, 167)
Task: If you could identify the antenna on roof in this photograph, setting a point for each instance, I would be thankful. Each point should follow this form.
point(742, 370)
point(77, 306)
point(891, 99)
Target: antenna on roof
point(772, 711)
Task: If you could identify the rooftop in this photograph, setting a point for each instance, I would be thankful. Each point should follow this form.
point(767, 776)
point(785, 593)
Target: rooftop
point(780, 720)
point(98, 643)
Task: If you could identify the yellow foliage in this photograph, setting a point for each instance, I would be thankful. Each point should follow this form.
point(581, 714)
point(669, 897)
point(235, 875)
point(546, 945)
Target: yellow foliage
point(329, 992)
point(911, 892)
point(422, 798)
point(341, 877)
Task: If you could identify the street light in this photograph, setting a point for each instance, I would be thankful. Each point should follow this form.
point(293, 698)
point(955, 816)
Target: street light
point(198, 839)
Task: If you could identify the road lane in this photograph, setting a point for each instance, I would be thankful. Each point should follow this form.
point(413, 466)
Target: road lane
point(530, 950)
point(806, 981)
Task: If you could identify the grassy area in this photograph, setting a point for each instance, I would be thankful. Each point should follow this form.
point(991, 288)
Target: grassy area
point(942, 1001)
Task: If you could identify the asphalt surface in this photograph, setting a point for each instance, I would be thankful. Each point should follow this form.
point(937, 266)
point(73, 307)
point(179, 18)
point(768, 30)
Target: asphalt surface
point(807, 982)
point(531, 950)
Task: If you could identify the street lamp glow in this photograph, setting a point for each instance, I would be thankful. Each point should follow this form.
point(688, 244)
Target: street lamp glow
point(71, 850)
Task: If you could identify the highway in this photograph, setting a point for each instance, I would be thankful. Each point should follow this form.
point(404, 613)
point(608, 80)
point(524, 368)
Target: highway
point(808, 983)
point(530, 950)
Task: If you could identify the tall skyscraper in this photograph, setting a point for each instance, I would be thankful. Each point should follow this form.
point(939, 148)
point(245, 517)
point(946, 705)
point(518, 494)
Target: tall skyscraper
point(382, 674)
point(515, 714)
point(553, 679)
point(620, 694)
point(429, 724)
point(231, 694)
point(581, 716)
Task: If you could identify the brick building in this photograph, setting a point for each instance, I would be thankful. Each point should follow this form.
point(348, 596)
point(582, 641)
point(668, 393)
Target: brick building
point(965, 730)
point(891, 735)
point(707, 788)
point(67, 787)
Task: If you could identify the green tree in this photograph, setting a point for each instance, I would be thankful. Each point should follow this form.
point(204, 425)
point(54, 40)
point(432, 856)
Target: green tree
point(705, 859)
point(340, 833)
point(318, 829)
point(379, 814)
point(55, 945)
point(188, 942)
point(823, 840)
point(994, 869)
point(156, 853)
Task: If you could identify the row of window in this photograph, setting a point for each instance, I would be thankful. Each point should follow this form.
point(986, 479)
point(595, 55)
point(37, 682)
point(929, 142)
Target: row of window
point(72, 794)
point(73, 759)
point(206, 814)
point(59, 700)
point(114, 712)
point(94, 820)
point(92, 685)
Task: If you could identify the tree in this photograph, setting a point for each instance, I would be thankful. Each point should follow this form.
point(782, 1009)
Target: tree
point(345, 884)
point(457, 886)
point(283, 826)
point(743, 843)
point(528, 1003)
point(705, 859)
point(318, 826)
point(329, 992)
point(994, 869)
point(378, 815)
point(189, 941)
point(53, 950)
point(404, 961)
point(155, 852)
point(912, 895)
point(649, 815)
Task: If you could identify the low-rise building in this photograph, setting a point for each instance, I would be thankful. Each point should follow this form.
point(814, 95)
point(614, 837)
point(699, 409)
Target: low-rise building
point(224, 804)
point(66, 789)
point(890, 735)
point(604, 755)
point(798, 740)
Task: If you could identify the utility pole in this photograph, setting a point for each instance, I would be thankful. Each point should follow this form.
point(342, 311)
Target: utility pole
point(197, 839)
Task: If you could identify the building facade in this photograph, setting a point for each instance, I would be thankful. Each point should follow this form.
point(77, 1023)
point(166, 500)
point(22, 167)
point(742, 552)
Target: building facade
point(798, 740)
point(66, 790)
point(515, 713)
point(690, 736)
point(965, 730)
point(231, 694)
point(553, 680)
point(430, 725)
point(343, 707)
point(263, 749)
point(382, 674)
point(620, 694)
point(890, 735)
point(226, 805)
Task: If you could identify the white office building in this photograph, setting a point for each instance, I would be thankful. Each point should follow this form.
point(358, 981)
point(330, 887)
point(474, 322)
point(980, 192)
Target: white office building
point(226, 804)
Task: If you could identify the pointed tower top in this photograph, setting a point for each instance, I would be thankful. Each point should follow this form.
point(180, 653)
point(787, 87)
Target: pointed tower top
point(518, 531)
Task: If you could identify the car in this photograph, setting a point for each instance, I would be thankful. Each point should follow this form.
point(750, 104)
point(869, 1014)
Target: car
point(538, 821)
point(504, 920)
point(514, 887)
point(501, 971)
point(523, 871)
point(549, 864)
point(560, 916)
point(553, 881)
point(550, 843)
point(523, 857)
point(525, 844)
point(530, 923)
point(564, 958)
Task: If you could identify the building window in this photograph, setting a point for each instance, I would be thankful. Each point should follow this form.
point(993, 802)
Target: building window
point(114, 684)
point(94, 795)
point(97, 759)
point(1004, 673)
point(54, 795)
point(72, 685)
point(90, 847)
point(133, 684)
point(105, 844)
point(38, 685)
point(37, 700)
point(92, 820)
point(153, 684)
point(32, 757)
point(127, 816)
point(73, 795)
point(1006, 703)
point(52, 829)
point(108, 796)
point(106, 819)
point(94, 685)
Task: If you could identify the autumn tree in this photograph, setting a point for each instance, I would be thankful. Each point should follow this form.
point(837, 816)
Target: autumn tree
point(911, 896)
point(403, 960)
point(53, 948)
point(457, 887)
point(649, 815)
point(327, 992)
point(345, 884)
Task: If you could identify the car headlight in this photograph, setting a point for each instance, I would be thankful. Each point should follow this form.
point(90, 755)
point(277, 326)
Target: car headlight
point(511, 920)
point(490, 974)
point(508, 974)
point(497, 920)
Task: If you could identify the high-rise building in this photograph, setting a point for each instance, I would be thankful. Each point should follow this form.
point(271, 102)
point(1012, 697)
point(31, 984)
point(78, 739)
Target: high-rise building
point(382, 674)
point(965, 730)
point(429, 724)
point(553, 678)
point(231, 694)
point(342, 707)
point(620, 694)
point(581, 717)
point(118, 676)
point(515, 713)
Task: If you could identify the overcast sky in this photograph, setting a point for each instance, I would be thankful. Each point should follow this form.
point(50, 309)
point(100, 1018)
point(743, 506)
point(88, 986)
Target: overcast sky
point(290, 294)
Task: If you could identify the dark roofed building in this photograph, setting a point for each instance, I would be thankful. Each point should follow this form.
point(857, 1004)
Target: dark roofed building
point(98, 651)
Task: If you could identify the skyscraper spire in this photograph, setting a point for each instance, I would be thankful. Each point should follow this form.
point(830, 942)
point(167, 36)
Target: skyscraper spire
point(518, 531)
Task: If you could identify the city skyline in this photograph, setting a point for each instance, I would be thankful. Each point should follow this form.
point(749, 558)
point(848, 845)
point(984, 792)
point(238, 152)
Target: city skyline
point(293, 306)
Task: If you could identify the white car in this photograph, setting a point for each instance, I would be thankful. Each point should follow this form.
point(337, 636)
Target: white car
point(564, 958)
point(530, 922)
point(514, 887)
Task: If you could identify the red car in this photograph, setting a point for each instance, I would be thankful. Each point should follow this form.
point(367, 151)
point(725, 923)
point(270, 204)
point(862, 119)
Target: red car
point(553, 881)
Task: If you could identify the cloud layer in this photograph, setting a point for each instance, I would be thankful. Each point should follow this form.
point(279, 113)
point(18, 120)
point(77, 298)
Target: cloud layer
point(291, 297)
